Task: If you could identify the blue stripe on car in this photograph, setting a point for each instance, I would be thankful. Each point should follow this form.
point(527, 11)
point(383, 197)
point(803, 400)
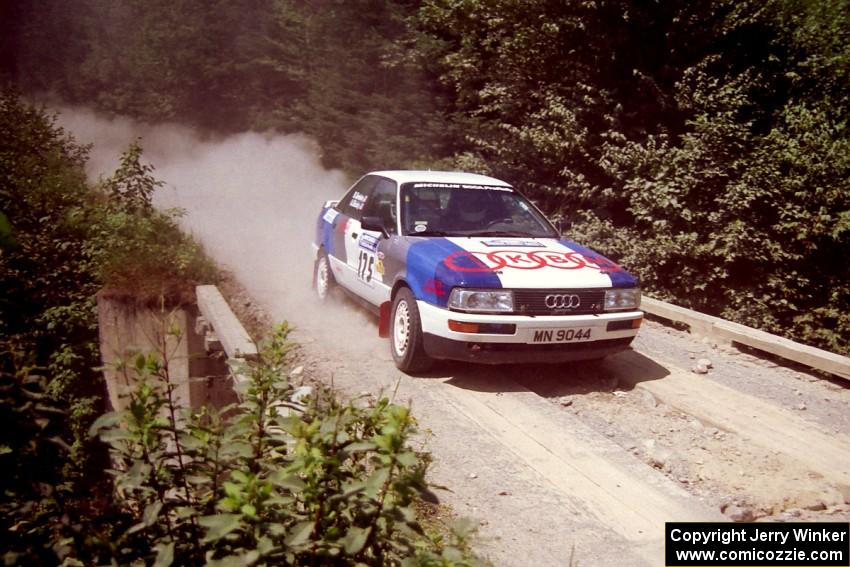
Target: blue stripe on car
point(619, 277)
point(324, 232)
point(431, 280)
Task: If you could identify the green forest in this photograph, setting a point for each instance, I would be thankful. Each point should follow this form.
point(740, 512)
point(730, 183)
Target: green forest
point(703, 144)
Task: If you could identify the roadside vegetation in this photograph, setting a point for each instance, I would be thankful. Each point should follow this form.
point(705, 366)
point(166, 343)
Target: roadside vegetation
point(61, 242)
point(702, 144)
point(281, 478)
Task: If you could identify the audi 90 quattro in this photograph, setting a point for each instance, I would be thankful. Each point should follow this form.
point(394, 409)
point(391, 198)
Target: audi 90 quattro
point(462, 266)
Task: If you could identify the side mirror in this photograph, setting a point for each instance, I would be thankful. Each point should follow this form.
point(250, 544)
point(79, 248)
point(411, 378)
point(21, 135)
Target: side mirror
point(375, 224)
point(563, 225)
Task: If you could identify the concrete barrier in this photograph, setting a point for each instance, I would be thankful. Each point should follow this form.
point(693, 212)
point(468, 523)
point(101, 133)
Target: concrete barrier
point(226, 328)
point(235, 340)
point(127, 330)
point(726, 331)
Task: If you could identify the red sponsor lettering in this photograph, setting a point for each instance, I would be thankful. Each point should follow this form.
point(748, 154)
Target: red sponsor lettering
point(464, 261)
point(561, 260)
point(602, 263)
point(518, 260)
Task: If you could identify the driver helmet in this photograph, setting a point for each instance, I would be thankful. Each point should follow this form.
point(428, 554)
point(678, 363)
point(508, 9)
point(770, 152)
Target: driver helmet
point(469, 206)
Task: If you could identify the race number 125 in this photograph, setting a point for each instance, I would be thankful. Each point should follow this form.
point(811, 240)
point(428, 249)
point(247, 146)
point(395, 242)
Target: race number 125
point(365, 266)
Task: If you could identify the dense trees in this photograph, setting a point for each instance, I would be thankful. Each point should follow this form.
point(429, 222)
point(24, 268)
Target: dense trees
point(47, 308)
point(704, 144)
point(331, 69)
point(47, 325)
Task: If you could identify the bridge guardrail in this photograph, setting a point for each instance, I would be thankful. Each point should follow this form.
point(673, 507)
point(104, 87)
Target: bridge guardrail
point(722, 330)
point(228, 330)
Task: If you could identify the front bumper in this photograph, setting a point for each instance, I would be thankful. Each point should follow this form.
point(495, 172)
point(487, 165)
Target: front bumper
point(609, 333)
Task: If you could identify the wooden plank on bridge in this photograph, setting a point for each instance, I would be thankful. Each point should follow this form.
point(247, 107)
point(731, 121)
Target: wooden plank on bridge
point(788, 349)
point(761, 422)
point(715, 327)
point(700, 323)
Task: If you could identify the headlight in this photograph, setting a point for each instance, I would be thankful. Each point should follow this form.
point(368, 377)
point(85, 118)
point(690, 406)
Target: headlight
point(481, 301)
point(622, 299)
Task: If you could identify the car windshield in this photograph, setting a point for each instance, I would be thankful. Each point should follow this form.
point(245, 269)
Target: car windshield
point(454, 209)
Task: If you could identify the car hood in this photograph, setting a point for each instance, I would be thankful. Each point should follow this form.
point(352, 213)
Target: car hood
point(436, 265)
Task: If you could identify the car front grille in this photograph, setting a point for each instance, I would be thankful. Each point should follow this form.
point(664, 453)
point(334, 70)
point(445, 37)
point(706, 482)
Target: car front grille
point(534, 301)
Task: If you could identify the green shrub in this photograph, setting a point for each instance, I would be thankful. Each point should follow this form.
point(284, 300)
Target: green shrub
point(280, 479)
point(139, 253)
point(31, 443)
point(48, 323)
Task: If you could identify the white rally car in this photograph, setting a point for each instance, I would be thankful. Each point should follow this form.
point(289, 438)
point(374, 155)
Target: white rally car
point(462, 266)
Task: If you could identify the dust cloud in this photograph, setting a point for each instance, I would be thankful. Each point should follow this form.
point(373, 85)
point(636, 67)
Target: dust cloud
point(252, 199)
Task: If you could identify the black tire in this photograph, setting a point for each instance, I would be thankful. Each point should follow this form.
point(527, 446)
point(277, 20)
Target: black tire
point(323, 278)
point(406, 344)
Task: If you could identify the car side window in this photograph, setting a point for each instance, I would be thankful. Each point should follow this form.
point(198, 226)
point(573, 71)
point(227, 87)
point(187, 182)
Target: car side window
point(355, 200)
point(382, 204)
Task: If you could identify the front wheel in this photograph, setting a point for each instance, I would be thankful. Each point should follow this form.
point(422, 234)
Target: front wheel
point(406, 334)
point(323, 278)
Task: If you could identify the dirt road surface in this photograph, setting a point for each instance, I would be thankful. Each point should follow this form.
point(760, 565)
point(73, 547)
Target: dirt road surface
point(582, 461)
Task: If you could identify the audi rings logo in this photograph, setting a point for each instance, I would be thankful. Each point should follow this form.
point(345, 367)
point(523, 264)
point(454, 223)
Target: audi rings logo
point(563, 301)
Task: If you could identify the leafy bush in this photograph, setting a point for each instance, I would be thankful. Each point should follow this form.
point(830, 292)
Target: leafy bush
point(31, 443)
point(279, 479)
point(48, 324)
point(60, 240)
point(139, 253)
point(746, 214)
point(47, 302)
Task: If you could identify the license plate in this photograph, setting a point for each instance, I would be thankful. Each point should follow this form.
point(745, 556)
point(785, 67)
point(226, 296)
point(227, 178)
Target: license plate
point(560, 335)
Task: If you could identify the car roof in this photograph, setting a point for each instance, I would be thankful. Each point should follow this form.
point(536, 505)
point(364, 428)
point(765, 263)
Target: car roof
point(406, 176)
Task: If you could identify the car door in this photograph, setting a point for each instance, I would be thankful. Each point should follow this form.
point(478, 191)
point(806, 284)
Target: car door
point(344, 257)
point(365, 248)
